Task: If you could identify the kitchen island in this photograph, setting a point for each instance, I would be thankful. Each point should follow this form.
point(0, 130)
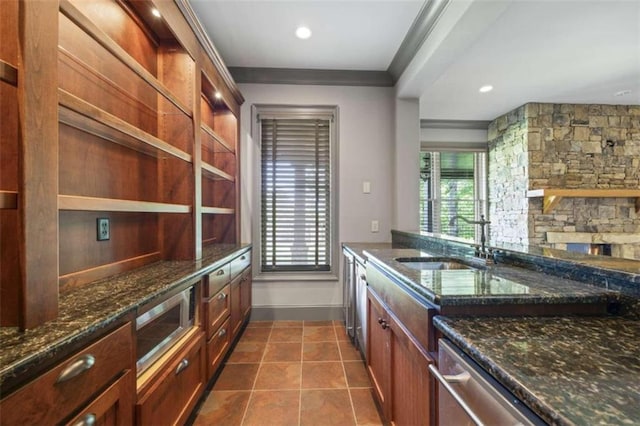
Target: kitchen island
point(567, 368)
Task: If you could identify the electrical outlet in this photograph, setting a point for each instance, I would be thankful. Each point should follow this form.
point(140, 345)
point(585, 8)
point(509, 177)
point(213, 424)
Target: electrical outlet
point(102, 226)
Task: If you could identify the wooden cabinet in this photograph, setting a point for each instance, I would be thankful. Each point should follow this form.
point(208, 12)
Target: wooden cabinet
point(217, 310)
point(98, 381)
point(240, 300)
point(112, 407)
point(227, 309)
point(124, 117)
point(174, 391)
point(398, 366)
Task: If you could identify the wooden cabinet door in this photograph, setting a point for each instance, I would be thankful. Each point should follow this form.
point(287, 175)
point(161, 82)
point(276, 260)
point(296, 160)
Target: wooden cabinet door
point(176, 390)
point(236, 310)
point(113, 407)
point(410, 385)
point(245, 294)
point(378, 351)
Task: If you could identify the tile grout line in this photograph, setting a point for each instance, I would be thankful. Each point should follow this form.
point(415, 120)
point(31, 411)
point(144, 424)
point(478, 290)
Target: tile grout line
point(346, 379)
point(300, 390)
point(255, 379)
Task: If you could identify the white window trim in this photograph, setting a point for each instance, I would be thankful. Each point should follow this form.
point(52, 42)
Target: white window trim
point(294, 111)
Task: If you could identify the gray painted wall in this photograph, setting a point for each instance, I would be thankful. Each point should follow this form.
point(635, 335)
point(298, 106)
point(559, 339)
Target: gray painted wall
point(365, 153)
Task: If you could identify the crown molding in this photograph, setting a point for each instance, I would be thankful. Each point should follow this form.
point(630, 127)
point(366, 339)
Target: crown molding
point(455, 124)
point(418, 32)
point(205, 41)
point(311, 77)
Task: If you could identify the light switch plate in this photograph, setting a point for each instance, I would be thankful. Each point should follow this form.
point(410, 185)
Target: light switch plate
point(366, 187)
point(102, 227)
point(375, 226)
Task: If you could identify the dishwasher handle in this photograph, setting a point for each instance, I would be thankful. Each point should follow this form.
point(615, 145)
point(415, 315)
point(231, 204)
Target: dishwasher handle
point(456, 379)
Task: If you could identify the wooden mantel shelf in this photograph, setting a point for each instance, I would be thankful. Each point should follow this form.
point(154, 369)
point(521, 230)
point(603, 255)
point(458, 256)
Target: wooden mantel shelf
point(553, 196)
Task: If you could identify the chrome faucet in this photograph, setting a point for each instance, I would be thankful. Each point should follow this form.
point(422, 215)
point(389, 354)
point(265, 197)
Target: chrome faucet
point(481, 222)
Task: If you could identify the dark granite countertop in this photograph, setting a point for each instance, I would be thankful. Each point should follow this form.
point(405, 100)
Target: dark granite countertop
point(86, 310)
point(496, 285)
point(568, 370)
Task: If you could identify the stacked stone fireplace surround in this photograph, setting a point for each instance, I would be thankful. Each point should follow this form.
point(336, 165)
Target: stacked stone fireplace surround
point(568, 146)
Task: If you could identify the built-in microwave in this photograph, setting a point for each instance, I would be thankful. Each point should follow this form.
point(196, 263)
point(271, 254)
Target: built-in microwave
point(160, 327)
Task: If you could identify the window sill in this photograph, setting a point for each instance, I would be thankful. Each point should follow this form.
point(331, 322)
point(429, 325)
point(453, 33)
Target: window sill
point(294, 276)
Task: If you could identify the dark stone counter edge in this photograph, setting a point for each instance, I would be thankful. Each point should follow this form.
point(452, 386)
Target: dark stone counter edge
point(577, 270)
point(34, 363)
point(545, 412)
point(425, 295)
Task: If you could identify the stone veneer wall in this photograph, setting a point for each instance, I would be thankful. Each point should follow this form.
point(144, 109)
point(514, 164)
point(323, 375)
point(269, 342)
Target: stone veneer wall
point(509, 178)
point(563, 146)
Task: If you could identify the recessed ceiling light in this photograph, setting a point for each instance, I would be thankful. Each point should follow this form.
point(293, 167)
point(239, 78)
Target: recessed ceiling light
point(623, 93)
point(155, 12)
point(218, 95)
point(303, 33)
point(486, 88)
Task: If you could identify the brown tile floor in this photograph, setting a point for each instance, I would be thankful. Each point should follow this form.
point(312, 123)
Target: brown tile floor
point(291, 373)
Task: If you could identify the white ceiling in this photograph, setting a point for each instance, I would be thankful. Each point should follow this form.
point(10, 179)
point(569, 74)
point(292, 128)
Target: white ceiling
point(346, 34)
point(576, 51)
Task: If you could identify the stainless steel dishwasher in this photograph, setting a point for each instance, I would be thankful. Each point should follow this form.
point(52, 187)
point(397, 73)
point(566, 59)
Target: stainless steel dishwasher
point(349, 294)
point(360, 277)
point(467, 395)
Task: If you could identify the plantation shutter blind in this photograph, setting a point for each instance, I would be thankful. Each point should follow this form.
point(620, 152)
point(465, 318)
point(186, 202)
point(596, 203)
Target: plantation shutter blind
point(296, 185)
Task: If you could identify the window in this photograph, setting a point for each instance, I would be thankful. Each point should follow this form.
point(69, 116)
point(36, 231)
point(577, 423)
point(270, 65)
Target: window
point(452, 184)
point(297, 190)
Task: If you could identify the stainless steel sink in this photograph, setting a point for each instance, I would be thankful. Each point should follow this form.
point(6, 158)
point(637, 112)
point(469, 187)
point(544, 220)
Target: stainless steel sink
point(433, 263)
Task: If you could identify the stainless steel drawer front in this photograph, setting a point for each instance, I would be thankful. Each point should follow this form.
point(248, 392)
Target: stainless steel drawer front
point(468, 397)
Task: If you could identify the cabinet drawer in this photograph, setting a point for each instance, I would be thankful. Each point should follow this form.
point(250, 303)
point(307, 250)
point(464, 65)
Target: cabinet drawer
point(217, 309)
point(55, 395)
point(216, 280)
point(113, 407)
point(172, 396)
point(217, 347)
point(240, 263)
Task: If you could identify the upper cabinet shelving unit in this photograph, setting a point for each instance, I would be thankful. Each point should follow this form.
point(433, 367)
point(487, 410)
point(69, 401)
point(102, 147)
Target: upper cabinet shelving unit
point(126, 139)
point(123, 124)
point(219, 136)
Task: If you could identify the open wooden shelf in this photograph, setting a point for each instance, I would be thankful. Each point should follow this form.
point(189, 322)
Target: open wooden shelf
point(214, 173)
point(217, 210)
point(208, 130)
point(72, 202)
point(74, 112)
point(105, 41)
point(8, 73)
point(553, 196)
point(8, 200)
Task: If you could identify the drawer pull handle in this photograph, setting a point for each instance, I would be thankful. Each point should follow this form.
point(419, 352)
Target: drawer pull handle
point(78, 366)
point(458, 378)
point(363, 277)
point(222, 332)
point(183, 364)
point(243, 257)
point(88, 419)
point(461, 402)
point(222, 296)
point(384, 325)
point(220, 272)
point(380, 320)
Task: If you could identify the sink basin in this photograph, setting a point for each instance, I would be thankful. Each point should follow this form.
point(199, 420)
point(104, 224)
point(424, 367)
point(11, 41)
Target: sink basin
point(432, 263)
